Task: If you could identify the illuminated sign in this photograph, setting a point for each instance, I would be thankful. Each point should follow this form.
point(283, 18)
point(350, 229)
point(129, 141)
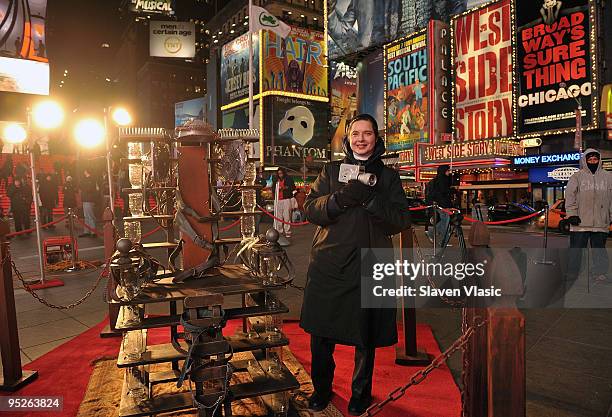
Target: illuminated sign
point(482, 91)
point(570, 158)
point(531, 143)
point(551, 174)
point(24, 76)
point(406, 157)
point(555, 62)
point(172, 39)
point(152, 7)
point(469, 150)
point(235, 69)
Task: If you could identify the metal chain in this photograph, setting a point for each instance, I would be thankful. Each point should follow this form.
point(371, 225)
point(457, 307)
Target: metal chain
point(466, 349)
point(421, 375)
point(48, 304)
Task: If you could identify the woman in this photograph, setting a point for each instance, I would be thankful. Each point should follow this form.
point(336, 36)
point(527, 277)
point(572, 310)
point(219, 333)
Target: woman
point(350, 217)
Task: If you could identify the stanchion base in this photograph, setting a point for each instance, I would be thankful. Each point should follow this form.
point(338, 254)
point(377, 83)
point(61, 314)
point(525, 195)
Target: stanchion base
point(420, 359)
point(107, 332)
point(26, 378)
point(55, 282)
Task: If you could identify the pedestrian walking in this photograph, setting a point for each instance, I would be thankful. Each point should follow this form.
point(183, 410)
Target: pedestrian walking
point(439, 191)
point(89, 197)
point(588, 204)
point(351, 217)
point(283, 187)
point(20, 194)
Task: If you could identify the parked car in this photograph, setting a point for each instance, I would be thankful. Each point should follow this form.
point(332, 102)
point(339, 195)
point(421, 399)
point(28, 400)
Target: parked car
point(556, 218)
point(509, 211)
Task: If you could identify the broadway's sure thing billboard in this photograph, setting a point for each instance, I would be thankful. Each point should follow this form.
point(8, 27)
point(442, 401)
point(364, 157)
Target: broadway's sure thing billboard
point(343, 103)
point(406, 92)
point(482, 62)
point(355, 25)
point(172, 39)
point(235, 69)
point(554, 55)
point(295, 129)
point(296, 64)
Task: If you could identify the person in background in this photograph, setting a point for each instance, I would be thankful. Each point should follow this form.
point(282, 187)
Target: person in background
point(439, 191)
point(20, 194)
point(283, 187)
point(588, 204)
point(70, 198)
point(259, 180)
point(89, 197)
point(350, 217)
point(48, 198)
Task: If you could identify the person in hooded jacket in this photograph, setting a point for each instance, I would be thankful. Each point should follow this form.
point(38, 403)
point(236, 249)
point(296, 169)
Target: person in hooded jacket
point(439, 191)
point(588, 204)
point(349, 217)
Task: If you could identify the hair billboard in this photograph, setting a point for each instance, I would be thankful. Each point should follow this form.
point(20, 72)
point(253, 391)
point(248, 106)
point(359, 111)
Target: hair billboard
point(482, 63)
point(554, 61)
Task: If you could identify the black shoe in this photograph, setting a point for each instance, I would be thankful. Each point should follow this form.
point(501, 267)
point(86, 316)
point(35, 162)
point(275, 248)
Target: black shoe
point(358, 406)
point(318, 402)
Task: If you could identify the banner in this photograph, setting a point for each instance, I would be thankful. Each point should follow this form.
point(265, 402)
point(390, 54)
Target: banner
point(294, 130)
point(406, 93)
point(343, 102)
point(482, 41)
point(235, 69)
point(22, 29)
point(371, 96)
point(164, 7)
point(172, 39)
point(356, 25)
point(440, 115)
point(295, 64)
point(186, 111)
point(468, 151)
point(553, 65)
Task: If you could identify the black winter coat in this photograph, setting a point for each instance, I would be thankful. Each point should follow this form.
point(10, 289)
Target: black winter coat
point(89, 190)
point(332, 298)
point(48, 193)
point(289, 187)
point(439, 189)
point(21, 197)
point(70, 200)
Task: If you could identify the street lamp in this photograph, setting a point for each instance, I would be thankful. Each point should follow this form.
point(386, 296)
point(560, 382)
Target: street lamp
point(89, 133)
point(47, 114)
point(14, 133)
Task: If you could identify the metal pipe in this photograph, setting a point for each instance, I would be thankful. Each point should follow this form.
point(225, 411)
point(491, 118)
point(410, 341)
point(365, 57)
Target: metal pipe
point(73, 267)
point(35, 198)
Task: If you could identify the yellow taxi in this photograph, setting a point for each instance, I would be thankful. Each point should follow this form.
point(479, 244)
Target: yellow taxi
point(556, 218)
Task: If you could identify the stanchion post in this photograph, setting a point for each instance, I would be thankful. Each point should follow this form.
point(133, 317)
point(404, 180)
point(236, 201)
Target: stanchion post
point(544, 261)
point(13, 377)
point(408, 354)
point(435, 226)
point(110, 240)
point(506, 363)
point(73, 252)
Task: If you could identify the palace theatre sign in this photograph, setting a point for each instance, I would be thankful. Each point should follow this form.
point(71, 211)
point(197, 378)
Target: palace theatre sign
point(472, 151)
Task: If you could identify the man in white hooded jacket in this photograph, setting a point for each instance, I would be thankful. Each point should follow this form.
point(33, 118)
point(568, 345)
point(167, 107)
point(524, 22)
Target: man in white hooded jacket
point(588, 203)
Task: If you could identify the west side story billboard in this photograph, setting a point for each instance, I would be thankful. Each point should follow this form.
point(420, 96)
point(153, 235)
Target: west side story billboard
point(482, 63)
point(235, 69)
point(554, 58)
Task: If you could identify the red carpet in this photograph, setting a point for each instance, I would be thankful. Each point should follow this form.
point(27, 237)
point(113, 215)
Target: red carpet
point(65, 371)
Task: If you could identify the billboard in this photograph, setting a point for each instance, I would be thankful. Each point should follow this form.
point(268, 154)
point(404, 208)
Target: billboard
point(186, 111)
point(296, 64)
point(172, 39)
point(482, 63)
point(343, 102)
point(554, 61)
point(22, 29)
point(475, 150)
point(407, 92)
point(371, 96)
point(24, 76)
point(355, 25)
point(164, 7)
point(235, 69)
point(295, 129)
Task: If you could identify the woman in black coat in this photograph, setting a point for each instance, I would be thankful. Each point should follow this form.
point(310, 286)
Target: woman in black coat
point(350, 217)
